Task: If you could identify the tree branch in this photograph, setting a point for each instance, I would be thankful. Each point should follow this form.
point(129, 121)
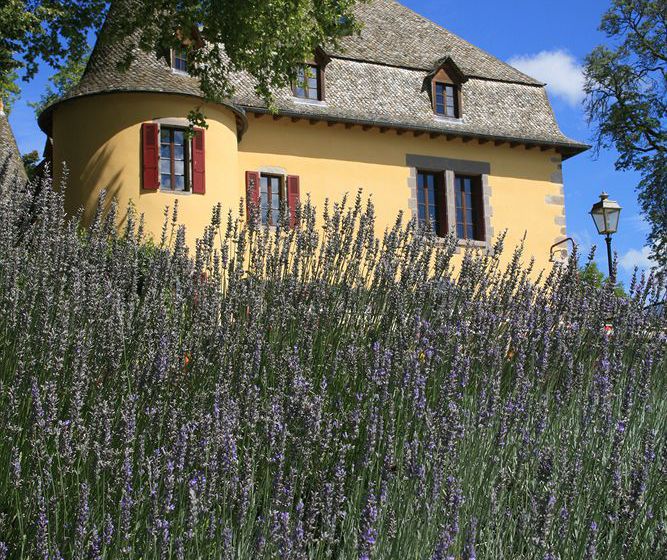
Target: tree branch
point(643, 41)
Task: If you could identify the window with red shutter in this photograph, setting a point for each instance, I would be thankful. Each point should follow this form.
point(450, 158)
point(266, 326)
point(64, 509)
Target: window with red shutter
point(478, 204)
point(174, 159)
point(150, 156)
point(271, 198)
point(198, 162)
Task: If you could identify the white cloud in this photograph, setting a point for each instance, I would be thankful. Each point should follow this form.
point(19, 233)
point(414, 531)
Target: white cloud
point(561, 72)
point(639, 223)
point(636, 258)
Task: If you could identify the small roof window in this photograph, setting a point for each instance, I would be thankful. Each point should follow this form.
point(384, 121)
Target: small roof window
point(179, 60)
point(445, 89)
point(308, 83)
point(446, 99)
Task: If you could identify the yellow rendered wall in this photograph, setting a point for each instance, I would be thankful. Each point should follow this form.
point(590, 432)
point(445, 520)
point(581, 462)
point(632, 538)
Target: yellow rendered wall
point(99, 138)
point(334, 160)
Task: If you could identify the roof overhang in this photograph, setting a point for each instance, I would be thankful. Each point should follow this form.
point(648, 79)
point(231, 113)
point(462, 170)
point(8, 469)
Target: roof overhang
point(45, 118)
point(566, 150)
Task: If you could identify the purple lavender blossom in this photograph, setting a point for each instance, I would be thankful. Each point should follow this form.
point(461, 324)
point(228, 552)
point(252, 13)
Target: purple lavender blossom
point(591, 545)
point(344, 394)
point(368, 533)
point(471, 537)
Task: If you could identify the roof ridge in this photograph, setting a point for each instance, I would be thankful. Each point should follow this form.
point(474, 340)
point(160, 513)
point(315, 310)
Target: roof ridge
point(487, 53)
point(532, 83)
point(394, 34)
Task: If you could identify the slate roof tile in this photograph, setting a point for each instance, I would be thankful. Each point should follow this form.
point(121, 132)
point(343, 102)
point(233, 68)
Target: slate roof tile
point(395, 35)
point(376, 77)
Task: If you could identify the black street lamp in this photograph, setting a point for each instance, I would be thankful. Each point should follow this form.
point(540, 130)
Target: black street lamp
point(605, 215)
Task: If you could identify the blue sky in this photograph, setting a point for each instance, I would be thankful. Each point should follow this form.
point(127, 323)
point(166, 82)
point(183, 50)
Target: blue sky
point(548, 41)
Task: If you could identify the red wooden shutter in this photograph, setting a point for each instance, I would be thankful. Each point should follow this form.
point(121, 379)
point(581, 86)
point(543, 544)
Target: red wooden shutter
point(198, 162)
point(292, 198)
point(252, 191)
point(150, 151)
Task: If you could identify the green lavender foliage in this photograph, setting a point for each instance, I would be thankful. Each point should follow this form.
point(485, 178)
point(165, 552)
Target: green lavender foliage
point(317, 393)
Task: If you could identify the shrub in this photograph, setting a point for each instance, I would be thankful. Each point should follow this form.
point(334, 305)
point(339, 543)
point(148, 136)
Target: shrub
point(317, 393)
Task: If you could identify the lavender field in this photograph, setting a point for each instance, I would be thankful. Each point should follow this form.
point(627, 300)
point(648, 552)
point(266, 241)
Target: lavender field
point(318, 393)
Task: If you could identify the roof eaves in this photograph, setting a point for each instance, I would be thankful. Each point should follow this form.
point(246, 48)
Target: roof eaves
point(44, 120)
point(570, 147)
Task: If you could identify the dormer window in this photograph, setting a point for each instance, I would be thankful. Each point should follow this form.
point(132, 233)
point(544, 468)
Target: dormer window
point(308, 84)
point(179, 60)
point(446, 100)
point(445, 89)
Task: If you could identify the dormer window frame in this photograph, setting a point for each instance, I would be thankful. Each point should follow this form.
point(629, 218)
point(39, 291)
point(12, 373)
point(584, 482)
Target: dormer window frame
point(446, 81)
point(189, 41)
point(303, 82)
point(450, 94)
point(179, 54)
point(316, 64)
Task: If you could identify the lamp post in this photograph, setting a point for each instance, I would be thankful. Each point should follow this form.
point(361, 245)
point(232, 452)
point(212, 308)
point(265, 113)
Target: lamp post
point(605, 214)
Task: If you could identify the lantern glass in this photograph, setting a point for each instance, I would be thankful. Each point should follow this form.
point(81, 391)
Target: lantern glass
point(598, 218)
point(612, 216)
point(606, 214)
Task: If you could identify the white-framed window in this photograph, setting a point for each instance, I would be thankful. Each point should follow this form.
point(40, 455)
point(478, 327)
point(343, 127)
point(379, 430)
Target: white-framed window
point(271, 196)
point(174, 159)
point(179, 60)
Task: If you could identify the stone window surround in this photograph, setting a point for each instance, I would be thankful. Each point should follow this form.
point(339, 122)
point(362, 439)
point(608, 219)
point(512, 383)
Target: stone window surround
point(451, 167)
point(276, 171)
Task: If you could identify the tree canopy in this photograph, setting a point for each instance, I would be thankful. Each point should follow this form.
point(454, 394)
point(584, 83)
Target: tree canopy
point(626, 87)
point(267, 38)
point(36, 32)
point(591, 275)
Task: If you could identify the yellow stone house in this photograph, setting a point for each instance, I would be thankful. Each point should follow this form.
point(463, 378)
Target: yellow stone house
point(421, 120)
